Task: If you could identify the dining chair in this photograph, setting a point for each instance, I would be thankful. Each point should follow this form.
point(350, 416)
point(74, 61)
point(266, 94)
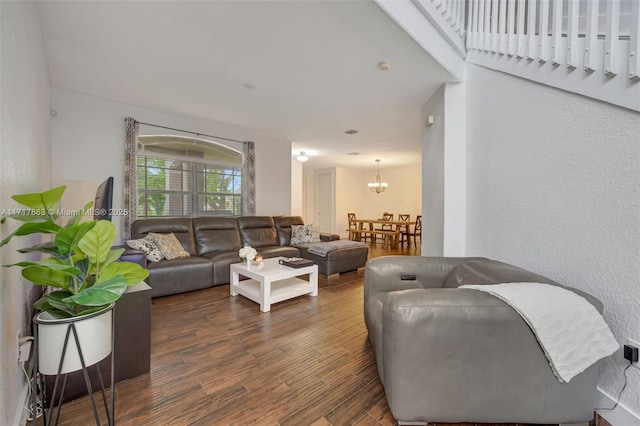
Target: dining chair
point(384, 227)
point(417, 232)
point(404, 228)
point(351, 218)
point(353, 227)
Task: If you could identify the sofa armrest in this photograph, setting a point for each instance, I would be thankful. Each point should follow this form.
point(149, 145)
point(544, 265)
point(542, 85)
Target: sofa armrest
point(132, 255)
point(329, 237)
point(392, 273)
point(444, 346)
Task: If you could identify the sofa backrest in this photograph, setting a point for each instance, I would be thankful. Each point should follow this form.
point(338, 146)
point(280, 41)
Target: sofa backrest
point(257, 231)
point(180, 227)
point(283, 227)
point(487, 271)
point(214, 234)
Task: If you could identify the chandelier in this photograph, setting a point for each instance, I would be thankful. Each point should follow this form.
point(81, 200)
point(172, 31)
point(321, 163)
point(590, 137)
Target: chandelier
point(378, 186)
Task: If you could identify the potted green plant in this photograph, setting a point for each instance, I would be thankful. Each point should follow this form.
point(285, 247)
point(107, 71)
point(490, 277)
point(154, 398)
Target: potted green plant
point(80, 267)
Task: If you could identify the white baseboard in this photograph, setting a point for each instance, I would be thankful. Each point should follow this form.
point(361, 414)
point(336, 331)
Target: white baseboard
point(21, 412)
point(621, 416)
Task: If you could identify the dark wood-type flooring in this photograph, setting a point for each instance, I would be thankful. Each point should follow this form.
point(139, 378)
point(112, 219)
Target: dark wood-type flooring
point(216, 360)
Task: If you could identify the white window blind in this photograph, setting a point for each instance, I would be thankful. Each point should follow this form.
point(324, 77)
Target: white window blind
point(175, 182)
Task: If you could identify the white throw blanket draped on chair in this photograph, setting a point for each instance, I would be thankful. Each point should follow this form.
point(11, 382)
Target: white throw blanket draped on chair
point(570, 330)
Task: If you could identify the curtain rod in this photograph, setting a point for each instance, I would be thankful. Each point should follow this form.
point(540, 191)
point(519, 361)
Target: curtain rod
point(188, 131)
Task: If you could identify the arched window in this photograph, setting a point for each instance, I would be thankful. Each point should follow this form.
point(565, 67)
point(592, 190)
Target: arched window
point(187, 177)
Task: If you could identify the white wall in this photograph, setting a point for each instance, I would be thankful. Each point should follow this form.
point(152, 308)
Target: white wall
point(25, 166)
point(433, 176)
point(553, 184)
point(297, 183)
point(308, 194)
point(349, 193)
point(403, 196)
point(88, 144)
point(455, 156)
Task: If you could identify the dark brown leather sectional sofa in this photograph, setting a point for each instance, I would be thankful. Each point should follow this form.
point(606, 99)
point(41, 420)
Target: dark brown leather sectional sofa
point(213, 244)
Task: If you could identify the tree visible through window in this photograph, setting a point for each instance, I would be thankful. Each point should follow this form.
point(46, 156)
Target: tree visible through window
point(171, 184)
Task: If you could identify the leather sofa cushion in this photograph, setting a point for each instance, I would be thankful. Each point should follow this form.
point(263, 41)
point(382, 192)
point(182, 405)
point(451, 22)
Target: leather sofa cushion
point(336, 261)
point(275, 251)
point(179, 275)
point(216, 234)
point(221, 262)
point(491, 272)
point(283, 227)
point(180, 227)
point(257, 231)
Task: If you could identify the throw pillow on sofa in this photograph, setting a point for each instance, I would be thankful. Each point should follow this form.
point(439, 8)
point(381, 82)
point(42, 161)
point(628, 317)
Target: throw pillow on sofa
point(148, 247)
point(305, 234)
point(169, 245)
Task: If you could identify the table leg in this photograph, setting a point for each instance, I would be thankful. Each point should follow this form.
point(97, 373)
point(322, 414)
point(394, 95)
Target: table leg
point(396, 238)
point(235, 280)
point(313, 280)
point(265, 295)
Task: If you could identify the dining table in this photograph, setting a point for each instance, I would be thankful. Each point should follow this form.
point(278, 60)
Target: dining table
point(397, 228)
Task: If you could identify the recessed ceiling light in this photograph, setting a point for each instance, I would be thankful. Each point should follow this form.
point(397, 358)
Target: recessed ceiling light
point(384, 65)
point(351, 132)
point(248, 86)
point(354, 153)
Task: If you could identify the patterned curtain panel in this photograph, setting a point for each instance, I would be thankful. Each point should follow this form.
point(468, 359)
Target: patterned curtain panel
point(130, 189)
point(249, 180)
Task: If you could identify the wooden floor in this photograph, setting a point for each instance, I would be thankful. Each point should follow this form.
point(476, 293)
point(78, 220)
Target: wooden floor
point(216, 360)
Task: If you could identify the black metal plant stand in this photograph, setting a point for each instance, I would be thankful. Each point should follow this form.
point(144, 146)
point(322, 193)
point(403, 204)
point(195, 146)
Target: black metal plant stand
point(57, 399)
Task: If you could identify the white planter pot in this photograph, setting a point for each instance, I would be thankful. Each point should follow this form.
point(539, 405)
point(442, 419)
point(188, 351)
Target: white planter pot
point(94, 334)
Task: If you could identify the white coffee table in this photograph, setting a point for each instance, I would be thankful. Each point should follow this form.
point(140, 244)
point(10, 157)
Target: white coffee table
point(272, 283)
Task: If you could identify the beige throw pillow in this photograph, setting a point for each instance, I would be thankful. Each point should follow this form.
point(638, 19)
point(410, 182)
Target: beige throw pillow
point(148, 247)
point(169, 245)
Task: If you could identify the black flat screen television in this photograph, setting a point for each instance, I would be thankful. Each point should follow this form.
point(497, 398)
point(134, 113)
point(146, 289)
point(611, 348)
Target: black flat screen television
point(104, 200)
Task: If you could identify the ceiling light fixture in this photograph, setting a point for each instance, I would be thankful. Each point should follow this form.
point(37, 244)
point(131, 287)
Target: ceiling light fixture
point(302, 157)
point(378, 186)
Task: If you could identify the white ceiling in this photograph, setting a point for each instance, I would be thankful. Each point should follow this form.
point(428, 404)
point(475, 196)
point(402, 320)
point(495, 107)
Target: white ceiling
point(313, 65)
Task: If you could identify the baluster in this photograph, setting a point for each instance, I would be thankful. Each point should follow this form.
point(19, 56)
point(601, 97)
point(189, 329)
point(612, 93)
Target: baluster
point(520, 30)
point(481, 24)
point(634, 41)
point(446, 10)
point(531, 31)
point(470, 26)
point(556, 33)
point(511, 22)
point(453, 5)
point(502, 28)
point(495, 41)
point(453, 18)
point(611, 37)
point(461, 10)
point(474, 23)
point(543, 35)
point(487, 25)
point(591, 36)
point(572, 34)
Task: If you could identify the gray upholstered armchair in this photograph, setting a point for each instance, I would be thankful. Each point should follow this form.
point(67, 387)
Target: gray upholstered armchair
point(446, 354)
